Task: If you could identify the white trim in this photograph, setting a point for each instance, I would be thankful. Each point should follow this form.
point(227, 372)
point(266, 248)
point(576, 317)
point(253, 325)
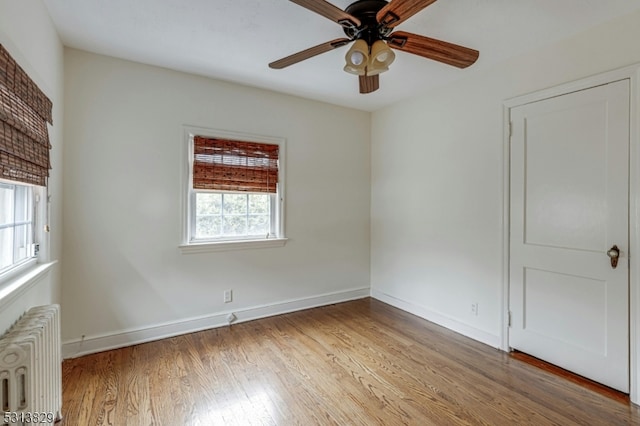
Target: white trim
point(442, 320)
point(188, 132)
point(634, 238)
point(574, 86)
point(231, 245)
point(506, 215)
point(14, 288)
point(632, 73)
point(79, 347)
point(18, 270)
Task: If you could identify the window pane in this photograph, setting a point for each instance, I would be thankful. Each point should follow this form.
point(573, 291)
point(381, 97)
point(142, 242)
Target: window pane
point(22, 243)
point(259, 224)
point(6, 203)
point(16, 224)
point(6, 248)
point(208, 226)
point(235, 203)
point(235, 225)
point(259, 203)
point(208, 204)
point(23, 204)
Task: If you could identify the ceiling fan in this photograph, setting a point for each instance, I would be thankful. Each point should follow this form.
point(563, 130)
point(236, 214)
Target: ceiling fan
point(370, 24)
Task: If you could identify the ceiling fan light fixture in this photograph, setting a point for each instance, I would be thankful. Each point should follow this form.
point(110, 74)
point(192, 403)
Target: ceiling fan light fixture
point(381, 57)
point(357, 58)
point(370, 25)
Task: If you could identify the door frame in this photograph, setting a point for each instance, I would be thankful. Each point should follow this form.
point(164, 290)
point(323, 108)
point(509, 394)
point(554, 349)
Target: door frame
point(631, 73)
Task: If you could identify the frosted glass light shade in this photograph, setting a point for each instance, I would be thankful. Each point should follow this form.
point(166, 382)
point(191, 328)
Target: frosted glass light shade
point(357, 58)
point(381, 57)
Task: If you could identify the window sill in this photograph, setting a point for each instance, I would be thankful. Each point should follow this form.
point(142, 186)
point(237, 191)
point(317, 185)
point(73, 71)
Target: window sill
point(20, 284)
point(231, 245)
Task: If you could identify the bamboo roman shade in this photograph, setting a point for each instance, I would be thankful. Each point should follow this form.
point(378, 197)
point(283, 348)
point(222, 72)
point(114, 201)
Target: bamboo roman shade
point(227, 165)
point(24, 137)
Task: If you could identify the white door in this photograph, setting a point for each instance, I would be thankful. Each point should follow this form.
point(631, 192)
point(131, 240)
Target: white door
point(569, 206)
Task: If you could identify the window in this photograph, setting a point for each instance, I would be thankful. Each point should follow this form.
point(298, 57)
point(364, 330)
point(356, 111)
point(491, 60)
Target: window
point(232, 215)
point(24, 167)
point(17, 225)
point(235, 191)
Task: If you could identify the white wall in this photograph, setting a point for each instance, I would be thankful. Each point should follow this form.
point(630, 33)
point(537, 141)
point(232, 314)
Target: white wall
point(27, 32)
point(437, 184)
point(123, 272)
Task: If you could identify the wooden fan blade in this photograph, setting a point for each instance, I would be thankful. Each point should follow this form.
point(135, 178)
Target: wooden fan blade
point(398, 11)
point(369, 83)
point(441, 51)
point(309, 53)
point(326, 9)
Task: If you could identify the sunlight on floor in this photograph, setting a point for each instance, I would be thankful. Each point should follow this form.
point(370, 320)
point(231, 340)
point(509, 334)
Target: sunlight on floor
point(243, 409)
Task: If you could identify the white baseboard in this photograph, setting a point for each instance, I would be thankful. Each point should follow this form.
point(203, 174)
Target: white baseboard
point(435, 317)
point(89, 345)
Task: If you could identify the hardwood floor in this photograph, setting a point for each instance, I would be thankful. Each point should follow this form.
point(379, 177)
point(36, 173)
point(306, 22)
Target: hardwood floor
point(582, 381)
point(355, 363)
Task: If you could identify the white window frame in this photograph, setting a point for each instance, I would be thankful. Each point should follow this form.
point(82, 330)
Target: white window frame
point(192, 245)
point(39, 209)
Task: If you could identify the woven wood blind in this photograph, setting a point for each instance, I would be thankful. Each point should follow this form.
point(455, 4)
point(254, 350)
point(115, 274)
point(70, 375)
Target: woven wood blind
point(226, 165)
point(24, 137)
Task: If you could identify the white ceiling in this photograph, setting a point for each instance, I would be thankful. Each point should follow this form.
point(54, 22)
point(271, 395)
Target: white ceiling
point(234, 40)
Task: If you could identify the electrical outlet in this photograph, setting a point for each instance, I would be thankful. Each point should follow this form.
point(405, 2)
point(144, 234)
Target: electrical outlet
point(474, 308)
point(228, 295)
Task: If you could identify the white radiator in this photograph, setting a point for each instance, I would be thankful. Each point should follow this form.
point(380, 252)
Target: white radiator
point(31, 369)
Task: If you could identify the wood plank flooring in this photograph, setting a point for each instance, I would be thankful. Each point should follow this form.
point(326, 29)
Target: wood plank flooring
point(582, 381)
point(355, 363)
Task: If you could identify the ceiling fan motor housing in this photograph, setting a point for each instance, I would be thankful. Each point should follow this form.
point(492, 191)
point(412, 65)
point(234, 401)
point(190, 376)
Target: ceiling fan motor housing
point(369, 30)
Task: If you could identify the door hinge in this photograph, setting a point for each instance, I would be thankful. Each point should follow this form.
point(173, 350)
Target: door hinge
point(509, 318)
point(510, 128)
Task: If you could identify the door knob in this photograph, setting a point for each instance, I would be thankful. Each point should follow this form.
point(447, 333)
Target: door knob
point(614, 254)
